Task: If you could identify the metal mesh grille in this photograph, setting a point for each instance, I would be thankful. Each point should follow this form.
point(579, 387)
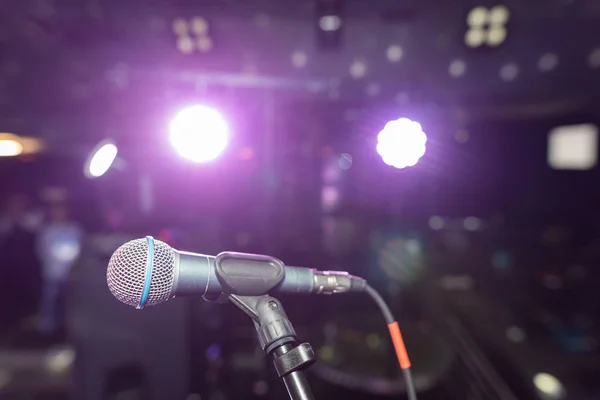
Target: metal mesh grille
point(127, 271)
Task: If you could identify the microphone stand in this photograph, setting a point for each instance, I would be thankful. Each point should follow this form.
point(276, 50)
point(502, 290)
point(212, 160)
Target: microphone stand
point(278, 339)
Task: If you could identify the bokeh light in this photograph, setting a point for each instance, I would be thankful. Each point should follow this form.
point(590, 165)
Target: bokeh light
point(199, 133)
point(12, 145)
point(101, 159)
point(401, 143)
point(10, 148)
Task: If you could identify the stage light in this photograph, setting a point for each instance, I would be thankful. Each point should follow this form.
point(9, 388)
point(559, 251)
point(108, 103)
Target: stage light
point(199, 133)
point(10, 148)
point(478, 17)
point(394, 53)
point(475, 37)
point(499, 15)
point(401, 143)
point(548, 386)
point(358, 69)
point(573, 147)
point(329, 23)
point(487, 26)
point(509, 72)
point(100, 159)
point(548, 62)
point(299, 59)
point(192, 35)
point(457, 68)
point(594, 58)
point(12, 145)
point(496, 35)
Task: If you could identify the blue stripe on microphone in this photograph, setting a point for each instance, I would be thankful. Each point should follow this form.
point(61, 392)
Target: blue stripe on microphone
point(149, 264)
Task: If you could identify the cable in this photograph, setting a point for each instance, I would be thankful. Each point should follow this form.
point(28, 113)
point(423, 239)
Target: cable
point(397, 340)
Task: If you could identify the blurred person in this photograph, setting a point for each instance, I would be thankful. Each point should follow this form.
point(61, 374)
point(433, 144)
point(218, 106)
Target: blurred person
point(58, 247)
point(17, 215)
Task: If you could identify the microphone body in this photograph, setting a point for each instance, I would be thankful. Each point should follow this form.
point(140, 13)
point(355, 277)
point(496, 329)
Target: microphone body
point(147, 272)
point(196, 274)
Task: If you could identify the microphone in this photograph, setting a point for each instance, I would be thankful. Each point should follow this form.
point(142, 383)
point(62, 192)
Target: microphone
point(146, 272)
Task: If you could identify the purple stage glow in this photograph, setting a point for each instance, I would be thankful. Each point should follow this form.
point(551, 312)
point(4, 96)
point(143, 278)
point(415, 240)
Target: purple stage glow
point(401, 143)
point(199, 133)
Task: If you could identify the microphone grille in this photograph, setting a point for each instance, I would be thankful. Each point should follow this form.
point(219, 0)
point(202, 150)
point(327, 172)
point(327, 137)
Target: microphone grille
point(126, 272)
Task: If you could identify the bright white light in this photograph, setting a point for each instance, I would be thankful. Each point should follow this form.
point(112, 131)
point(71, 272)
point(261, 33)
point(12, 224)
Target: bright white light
point(10, 148)
point(549, 385)
point(330, 23)
point(401, 143)
point(199, 133)
point(101, 159)
point(573, 147)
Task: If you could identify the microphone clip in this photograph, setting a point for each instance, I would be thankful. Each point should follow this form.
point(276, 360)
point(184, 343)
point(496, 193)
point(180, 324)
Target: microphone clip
point(277, 338)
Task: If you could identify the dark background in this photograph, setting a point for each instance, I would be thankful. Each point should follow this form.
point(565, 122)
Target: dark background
point(75, 72)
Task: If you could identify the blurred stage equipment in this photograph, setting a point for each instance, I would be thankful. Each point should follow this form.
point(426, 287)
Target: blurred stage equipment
point(401, 143)
point(199, 133)
point(12, 145)
point(355, 357)
point(101, 158)
point(54, 194)
point(148, 272)
point(401, 258)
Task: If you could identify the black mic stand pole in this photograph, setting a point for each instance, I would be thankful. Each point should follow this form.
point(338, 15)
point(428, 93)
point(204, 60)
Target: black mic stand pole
point(278, 339)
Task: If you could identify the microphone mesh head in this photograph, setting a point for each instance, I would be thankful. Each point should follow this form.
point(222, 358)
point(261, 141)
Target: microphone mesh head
point(126, 272)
